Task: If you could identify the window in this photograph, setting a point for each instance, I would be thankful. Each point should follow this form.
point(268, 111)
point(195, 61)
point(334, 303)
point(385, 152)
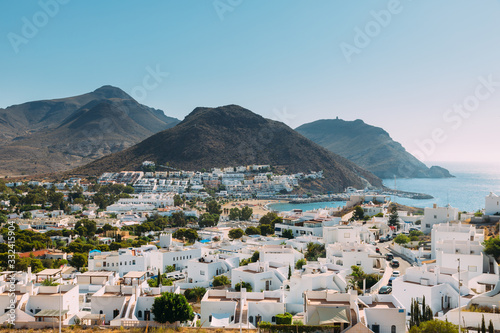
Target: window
point(273, 319)
point(139, 314)
point(427, 225)
point(202, 272)
point(210, 318)
point(250, 319)
point(393, 329)
point(358, 263)
point(435, 216)
point(100, 312)
point(125, 263)
point(133, 262)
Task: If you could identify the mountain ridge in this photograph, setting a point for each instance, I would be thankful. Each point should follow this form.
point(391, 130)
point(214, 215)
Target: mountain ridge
point(370, 147)
point(232, 135)
point(60, 134)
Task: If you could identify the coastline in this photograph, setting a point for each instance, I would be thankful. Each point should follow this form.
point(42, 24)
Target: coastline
point(259, 206)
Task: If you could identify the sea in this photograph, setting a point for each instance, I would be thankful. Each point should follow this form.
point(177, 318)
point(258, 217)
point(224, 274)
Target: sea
point(466, 191)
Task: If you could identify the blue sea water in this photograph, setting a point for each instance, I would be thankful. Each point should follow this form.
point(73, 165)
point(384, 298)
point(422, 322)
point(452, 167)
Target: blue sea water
point(466, 191)
point(283, 207)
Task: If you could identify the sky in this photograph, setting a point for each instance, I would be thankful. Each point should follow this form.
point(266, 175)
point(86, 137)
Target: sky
point(425, 71)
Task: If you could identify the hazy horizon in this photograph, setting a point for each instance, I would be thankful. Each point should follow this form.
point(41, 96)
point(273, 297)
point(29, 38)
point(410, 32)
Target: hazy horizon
point(425, 72)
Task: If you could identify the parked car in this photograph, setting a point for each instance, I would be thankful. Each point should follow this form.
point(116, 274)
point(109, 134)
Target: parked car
point(394, 263)
point(385, 290)
point(377, 250)
point(389, 256)
point(396, 274)
point(390, 281)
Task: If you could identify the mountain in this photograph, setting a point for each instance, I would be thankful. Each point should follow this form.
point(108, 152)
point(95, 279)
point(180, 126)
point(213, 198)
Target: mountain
point(370, 147)
point(60, 134)
point(231, 136)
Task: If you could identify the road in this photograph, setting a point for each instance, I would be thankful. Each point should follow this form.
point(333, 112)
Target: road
point(403, 264)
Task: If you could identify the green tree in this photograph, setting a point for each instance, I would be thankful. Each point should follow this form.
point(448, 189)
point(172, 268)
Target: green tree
point(300, 263)
point(401, 239)
point(358, 214)
point(170, 307)
point(195, 294)
point(315, 251)
point(207, 220)
point(433, 326)
point(287, 233)
point(491, 328)
point(252, 231)
point(492, 247)
point(284, 319)
point(236, 233)
point(169, 268)
point(246, 213)
point(268, 218)
point(394, 218)
point(483, 325)
point(221, 280)
point(243, 284)
point(266, 229)
point(213, 207)
point(188, 234)
point(178, 219)
point(14, 200)
point(235, 213)
point(78, 261)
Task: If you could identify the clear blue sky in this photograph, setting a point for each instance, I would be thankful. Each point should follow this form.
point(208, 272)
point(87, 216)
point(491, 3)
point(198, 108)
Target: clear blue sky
point(282, 59)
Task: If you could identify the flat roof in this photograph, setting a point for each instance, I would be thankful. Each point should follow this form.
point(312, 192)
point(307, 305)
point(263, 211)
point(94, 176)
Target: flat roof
point(98, 273)
point(50, 313)
point(134, 275)
point(49, 271)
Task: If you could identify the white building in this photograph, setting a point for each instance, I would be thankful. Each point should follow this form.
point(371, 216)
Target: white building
point(436, 215)
point(438, 285)
point(261, 275)
point(223, 308)
point(459, 232)
point(470, 253)
point(346, 255)
point(204, 269)
point(492, 204)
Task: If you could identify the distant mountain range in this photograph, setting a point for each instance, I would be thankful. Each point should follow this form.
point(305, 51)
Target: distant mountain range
point(60, 134)
point(231, 136)
point(369, 147)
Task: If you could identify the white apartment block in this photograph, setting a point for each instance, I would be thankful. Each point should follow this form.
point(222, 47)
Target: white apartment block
point(470, 254)
point(458, 231)
point(436, 215)
point(261, 275)
point(346, 255)
point(492, 204)
point(205, 268)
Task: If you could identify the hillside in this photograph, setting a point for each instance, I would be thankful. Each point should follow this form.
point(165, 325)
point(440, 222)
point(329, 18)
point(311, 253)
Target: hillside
point(369, 147)
point(60, 134)
point(230, 136)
